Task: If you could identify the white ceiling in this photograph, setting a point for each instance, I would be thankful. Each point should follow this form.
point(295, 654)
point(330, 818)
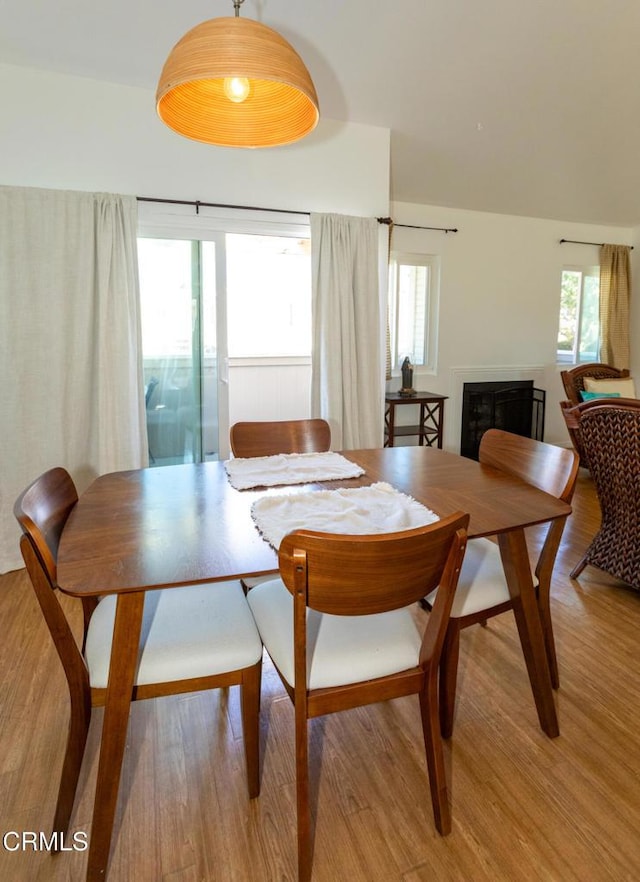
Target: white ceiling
point(528, 108)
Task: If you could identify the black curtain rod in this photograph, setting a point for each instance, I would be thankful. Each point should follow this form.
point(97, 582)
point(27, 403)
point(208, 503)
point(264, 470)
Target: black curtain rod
point(390, 220)
point(576, 242)
point(198, 205)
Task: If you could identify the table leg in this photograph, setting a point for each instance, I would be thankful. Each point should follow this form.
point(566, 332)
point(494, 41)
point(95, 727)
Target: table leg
point(124, 656)
point(515, 559)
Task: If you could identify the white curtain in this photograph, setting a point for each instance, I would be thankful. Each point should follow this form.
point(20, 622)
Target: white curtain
point(70, 357)
point(348, 308)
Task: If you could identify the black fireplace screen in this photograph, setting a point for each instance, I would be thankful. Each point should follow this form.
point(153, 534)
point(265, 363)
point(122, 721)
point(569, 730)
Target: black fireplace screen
point(514, 406)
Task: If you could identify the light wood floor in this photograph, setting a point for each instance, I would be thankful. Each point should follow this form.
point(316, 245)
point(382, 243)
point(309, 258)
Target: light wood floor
point(524, 807)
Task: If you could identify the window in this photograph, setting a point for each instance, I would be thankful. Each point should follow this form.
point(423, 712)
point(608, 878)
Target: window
point(268, 296)
point(413, 283)
point(579, 328)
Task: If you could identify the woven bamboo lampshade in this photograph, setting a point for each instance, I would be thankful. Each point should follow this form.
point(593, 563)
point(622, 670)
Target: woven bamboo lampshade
point(235, 82)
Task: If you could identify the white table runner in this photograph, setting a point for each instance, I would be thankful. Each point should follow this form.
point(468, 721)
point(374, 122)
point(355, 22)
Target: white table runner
point(289, 468)
point(379, 508)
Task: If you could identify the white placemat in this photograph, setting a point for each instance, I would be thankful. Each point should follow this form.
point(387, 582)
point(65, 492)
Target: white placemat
point(379, 508)
point(289, 468)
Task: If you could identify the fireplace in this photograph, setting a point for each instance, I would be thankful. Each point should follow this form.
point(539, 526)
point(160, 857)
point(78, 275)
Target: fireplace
point(512, 405)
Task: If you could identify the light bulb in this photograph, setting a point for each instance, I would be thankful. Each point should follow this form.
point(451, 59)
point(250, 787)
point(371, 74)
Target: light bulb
point(236, 89)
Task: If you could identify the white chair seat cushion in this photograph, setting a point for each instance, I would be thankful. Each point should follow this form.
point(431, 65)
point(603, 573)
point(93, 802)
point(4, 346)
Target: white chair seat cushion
point(340, 649)
point(187, 632)
point(250, 582)
point(482, 584)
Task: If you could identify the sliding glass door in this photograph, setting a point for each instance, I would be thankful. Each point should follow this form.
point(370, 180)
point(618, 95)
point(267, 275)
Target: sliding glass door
point(226, 313)
point(180, 348)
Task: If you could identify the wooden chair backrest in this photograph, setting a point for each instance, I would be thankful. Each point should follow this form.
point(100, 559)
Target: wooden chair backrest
point(361, 575)
point(42, 511)
point(573, 380)
point(546, 466)
point(266, 438)
point(549, 468)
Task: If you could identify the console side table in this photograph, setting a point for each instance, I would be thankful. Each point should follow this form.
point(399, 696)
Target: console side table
point(430, 423)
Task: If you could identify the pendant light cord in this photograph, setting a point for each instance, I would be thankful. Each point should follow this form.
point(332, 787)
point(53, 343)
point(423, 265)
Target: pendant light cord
point(236, 5)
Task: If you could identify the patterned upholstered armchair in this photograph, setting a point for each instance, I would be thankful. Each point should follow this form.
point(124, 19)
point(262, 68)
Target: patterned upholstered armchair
point(573, 380)
point(587, 378)
point(609, 434)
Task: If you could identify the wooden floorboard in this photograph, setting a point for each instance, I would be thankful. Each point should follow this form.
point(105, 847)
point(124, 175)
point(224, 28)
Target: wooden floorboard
point(524, 807)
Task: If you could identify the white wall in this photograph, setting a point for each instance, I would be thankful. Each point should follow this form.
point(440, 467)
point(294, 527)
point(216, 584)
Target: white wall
point(499, 298)
point(500, 275)
point(67, 132)
point(73, 133)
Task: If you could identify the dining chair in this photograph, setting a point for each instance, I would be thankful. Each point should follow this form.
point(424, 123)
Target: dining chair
point(482, 591)
point(338, 628)
point(267, 438)
point(270, 437)
point(609, 433)
point(193, 638)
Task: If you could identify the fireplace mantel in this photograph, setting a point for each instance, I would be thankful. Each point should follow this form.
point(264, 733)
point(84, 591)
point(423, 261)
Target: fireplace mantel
point(482, 374)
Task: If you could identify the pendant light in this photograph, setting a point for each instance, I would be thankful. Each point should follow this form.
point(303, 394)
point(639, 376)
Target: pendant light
point(235, 82)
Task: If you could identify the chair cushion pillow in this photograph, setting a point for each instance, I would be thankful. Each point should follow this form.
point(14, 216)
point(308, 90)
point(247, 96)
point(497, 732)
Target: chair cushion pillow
point(624, 387)
point(188, 631)
point(591, 396)
point(482, 584)
point(340, 649)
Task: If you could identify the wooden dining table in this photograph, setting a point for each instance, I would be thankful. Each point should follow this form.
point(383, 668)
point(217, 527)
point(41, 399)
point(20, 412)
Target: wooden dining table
point(185, 524)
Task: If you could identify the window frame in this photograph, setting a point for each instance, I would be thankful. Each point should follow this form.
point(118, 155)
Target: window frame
point(398, 259)
point(564, 357)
